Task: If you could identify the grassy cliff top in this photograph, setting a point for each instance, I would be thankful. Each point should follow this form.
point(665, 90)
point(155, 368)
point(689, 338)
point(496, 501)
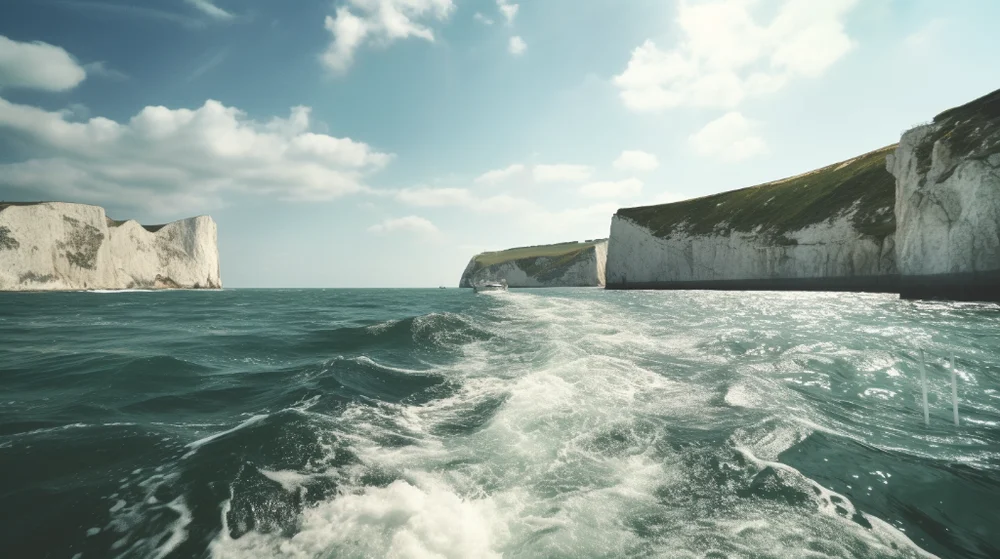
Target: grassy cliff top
point(971, 131)
point(779, 207)
point(560, 250)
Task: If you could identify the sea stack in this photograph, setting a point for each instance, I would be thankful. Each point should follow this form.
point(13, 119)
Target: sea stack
point(948, 204)
point(55, 246)
point(576, 264)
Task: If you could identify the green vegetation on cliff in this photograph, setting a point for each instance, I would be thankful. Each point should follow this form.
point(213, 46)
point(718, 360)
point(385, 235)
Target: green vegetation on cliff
point(543, 262)
point(561, 250)
point(862, 185)
point(971, 131)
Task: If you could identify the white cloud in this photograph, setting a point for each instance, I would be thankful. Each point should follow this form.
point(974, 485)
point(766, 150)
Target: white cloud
point(463, 198)
point(75, 112)
point(627, 188)
point(632, 160)
point(927, 36)
point(592, 220)
point(408, 224)
point(500, 175)
point(482, 19)
point(517, 46)
point(101, 68)
point(435, 197)
point(588, 221)
point(38, 65)
point(210, 9)
point(179, 159)
point(729, 138)
point(562, 173)
point(380, 22)
point(508, 10)
point(725, 55)
point(210, 63)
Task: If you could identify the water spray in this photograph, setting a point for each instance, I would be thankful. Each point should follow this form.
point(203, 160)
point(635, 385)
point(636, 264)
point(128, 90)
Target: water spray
point(954, 389)
point(923, 385)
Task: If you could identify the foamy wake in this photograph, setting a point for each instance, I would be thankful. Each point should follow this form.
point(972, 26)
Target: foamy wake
point(573, 463)
point(401, 520)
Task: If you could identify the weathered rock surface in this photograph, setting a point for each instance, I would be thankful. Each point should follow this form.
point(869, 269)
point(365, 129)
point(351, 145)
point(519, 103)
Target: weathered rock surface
point(562, 265)
point(55, 246)
point(830, 229)
point(948, 204)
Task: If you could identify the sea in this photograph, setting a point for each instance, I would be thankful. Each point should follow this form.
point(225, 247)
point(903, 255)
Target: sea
point(440, 423)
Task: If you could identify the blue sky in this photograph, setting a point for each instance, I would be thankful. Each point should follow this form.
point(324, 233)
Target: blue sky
point(356, 143)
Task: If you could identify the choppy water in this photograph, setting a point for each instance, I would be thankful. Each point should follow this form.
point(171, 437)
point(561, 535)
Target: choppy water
point(439, 423)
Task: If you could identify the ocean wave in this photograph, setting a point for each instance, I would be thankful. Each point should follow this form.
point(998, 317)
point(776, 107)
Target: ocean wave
point(568, 423)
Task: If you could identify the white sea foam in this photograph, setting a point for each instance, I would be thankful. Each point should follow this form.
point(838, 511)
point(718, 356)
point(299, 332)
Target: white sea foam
point(122, 290)
point(575, 450)
point(401, 520)
point(289, 480)
point(178, 530)
point(194, 446)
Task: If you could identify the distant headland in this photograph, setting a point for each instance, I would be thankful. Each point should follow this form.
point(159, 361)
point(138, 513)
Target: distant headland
point(57, 246)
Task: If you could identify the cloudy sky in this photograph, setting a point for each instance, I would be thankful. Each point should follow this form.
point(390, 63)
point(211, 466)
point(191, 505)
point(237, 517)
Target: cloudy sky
point(356, 143)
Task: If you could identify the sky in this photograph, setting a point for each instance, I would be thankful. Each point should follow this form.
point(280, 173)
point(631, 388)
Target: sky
point(383, 143)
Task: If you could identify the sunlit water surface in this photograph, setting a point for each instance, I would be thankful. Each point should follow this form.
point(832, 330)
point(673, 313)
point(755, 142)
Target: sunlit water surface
point(440, 423)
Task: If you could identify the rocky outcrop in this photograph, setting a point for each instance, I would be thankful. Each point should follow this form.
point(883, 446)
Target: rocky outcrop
point(561, 265)
point(831, 229)
point(54, 246)
point(948, 204)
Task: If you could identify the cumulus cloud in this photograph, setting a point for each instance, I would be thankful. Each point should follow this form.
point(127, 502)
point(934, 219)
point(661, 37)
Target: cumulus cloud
point(928, 36)
point(562, 173)
point(730, 137)
point(38, 65)
point(627, 188)
point(633, 160)
point(435, 197)
point(381, 22)
point(508, 10)
point(426, 197)
point(101, 68)
point(726, 55)
point(500, 175)
point(211, 10)
point(482, 19)
point(408, 224)
point(592, 220)
point(181, 159)
point(517, 46)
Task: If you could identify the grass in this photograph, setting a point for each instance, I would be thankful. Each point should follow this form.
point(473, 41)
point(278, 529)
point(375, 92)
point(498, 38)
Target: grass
point(971, 131)
point(558, 251)
point(542, 262)
point(777, 208)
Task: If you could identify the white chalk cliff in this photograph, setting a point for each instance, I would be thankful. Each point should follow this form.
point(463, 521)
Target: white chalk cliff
point(55, 246)
point(831, 251)
point(572, 265)
point(830, 229)
point(948, 204)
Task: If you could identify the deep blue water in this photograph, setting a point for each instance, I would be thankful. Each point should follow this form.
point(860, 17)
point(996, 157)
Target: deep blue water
point(546, 423)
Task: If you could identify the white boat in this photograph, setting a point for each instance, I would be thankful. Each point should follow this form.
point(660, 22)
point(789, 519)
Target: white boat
point(490, 286)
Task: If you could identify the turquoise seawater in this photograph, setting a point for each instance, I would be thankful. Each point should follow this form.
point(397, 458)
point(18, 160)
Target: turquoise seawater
point(445, 424)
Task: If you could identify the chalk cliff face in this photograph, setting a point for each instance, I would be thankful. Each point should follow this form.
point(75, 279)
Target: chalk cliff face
point(562, 265)
point(830, 229)
point(56, 246)
point(948, 204)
